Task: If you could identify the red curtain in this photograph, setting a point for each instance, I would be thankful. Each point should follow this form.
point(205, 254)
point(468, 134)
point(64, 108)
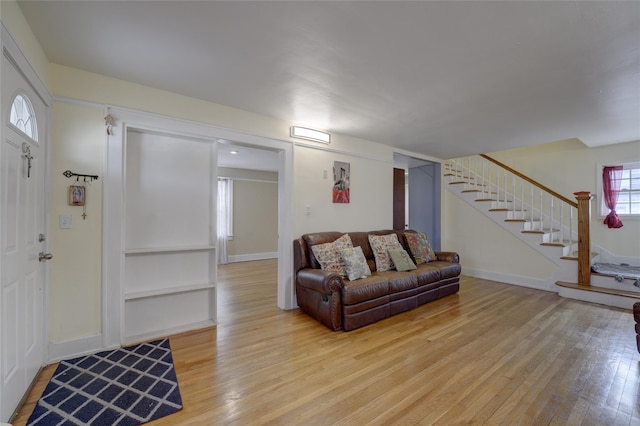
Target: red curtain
point(611, 176)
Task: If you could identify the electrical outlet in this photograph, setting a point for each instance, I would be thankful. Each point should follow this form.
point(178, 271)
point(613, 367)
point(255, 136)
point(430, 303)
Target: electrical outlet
point(307, 210)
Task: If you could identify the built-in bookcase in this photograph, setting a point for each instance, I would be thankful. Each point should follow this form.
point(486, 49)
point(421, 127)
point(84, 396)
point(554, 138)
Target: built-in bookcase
point(169, 257)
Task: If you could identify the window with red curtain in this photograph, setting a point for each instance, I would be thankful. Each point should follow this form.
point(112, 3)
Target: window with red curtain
point(611, 177)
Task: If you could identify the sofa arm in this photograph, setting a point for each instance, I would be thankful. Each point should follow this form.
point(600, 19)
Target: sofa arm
point(448, 256)
point(324, 282)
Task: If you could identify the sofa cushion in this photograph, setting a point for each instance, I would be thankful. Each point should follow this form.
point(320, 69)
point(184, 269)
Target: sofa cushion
point(427, 273)
point(381, 244)
point(328, 254)
point(364, 289)
point(401, 260)
point(447, 269)
point(400, 281)
point(355, 263)
point(420, 247)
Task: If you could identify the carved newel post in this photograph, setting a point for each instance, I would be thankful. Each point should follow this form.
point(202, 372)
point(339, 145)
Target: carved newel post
point(584, 241)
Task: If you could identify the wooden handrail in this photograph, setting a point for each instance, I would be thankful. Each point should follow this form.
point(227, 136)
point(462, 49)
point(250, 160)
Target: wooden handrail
point(531, 181)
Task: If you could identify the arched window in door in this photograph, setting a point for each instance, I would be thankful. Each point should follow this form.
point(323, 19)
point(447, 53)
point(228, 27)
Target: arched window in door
point(23, 116)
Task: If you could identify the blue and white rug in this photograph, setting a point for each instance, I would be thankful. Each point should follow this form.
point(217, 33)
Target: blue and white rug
point(126, 386)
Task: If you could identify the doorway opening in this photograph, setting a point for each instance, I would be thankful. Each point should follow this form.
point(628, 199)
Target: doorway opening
point(422, 196)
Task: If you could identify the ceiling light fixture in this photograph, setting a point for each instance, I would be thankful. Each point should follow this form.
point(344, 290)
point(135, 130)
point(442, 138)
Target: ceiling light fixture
point(310, 134)
point(233, 152)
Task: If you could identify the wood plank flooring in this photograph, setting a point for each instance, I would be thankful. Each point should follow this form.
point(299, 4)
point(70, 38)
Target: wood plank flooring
point(491, 354)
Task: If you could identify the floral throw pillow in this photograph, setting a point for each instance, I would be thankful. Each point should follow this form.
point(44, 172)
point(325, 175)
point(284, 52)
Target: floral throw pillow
point(401, 260)
point(381, 244)
point(355, 263)
point(328, 254)
point(420, 247)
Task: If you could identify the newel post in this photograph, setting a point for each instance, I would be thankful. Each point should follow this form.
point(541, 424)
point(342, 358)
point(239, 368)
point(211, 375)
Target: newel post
point(584, 237)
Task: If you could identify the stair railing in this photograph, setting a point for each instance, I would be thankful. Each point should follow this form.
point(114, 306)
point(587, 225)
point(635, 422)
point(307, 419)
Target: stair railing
point(541, 209)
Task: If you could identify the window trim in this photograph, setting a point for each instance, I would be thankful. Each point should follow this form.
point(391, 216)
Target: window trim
point(603, 211)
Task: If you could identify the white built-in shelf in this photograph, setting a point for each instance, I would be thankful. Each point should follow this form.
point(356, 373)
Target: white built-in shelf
point(134, 295)
point(176, 249)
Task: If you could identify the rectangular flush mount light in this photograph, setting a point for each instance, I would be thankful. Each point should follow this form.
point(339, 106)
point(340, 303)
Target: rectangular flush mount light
point(310, 134)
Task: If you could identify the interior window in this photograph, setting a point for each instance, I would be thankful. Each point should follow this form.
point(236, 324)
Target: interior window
point(629, 195)
point(23, 117)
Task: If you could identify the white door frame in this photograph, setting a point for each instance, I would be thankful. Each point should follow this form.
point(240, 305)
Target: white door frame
point(11, 52)
point(113, 212)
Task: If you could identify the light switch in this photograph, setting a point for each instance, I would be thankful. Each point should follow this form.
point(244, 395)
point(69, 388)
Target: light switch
point(65, 221)
point(307, 210)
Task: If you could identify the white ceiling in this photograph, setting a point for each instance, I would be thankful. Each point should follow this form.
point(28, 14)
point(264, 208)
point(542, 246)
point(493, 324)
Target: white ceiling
point(444, 79)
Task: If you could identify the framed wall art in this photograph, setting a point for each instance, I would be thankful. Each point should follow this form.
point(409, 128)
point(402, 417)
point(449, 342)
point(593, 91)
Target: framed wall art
point(341, 182)
point(76, 195)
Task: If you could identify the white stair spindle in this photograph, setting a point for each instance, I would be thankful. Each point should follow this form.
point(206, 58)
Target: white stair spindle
point(505, 189)
point(541, 210)
point(571, 228)
point(483, 180)
point(522, 198)
point(551, 216)
point(561, 222)
point(532, 204)
point(498, 181)
point(513, 204)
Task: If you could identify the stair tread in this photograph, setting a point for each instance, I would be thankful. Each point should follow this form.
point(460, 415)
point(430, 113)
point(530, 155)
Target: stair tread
point(499, 210)
point(539, 231)
point(574, 256)
point(556, 244)
point(515, 220)
point(615, 292)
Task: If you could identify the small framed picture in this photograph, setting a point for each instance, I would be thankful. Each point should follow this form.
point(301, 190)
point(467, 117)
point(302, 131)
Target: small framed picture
point(76, 195)
point(341, 182)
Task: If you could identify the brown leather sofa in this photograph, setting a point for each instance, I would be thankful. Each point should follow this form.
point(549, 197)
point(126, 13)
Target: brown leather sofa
point(341, 304)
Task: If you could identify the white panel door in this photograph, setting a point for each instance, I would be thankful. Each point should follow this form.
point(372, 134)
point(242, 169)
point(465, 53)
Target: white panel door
point(22, 276)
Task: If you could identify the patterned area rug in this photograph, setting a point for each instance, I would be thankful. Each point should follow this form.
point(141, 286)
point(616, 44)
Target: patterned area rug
point(126, 386)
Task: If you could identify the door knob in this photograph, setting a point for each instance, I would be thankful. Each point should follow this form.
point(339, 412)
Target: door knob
point(44, 256)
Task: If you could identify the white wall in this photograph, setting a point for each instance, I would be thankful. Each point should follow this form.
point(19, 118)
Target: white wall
point(255, 214)
point(487, 249)
point(371, 192)
point(75, 271)
point(255, 220)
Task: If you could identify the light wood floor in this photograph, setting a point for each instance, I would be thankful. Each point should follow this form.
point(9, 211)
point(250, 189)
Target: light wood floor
point(492, 354)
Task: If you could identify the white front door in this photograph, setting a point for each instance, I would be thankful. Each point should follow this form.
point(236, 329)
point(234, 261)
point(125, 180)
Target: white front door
point(22, 227)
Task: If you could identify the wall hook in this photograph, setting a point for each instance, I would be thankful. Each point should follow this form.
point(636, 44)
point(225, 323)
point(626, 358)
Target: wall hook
point(69, 173)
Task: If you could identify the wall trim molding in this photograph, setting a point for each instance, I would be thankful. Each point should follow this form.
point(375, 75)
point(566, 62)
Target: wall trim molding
point(342, 152)
point(252, 256)
point(76, 347)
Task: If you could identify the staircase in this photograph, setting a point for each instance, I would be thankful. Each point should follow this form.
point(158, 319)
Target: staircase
point(554, 226)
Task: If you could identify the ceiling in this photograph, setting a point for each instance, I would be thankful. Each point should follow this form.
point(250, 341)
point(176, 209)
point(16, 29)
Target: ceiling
point(444, 79)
